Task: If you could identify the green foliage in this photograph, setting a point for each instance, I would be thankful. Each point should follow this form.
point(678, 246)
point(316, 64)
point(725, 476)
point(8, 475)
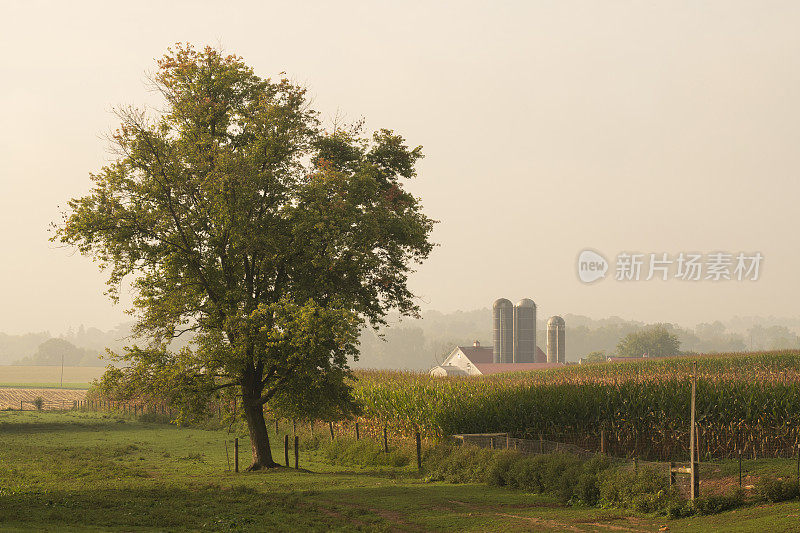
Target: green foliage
point(598, 356)
point(654, 341)
point(458, 464)
point(569, 477)
point(706, 505)
point(646, 491)
point(774, 489)
point(236, 217)
point(38, 402)
point(363, 452)
point(572, 479)
point(719, 503)
point(503, 462)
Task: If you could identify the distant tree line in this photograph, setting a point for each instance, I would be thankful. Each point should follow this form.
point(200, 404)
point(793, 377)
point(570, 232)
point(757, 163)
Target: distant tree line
point(421, 344)
point(79, 347)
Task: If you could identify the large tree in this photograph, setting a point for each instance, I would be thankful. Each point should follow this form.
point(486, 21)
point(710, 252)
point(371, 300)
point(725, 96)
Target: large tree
point(234, 215)
point(653, 341)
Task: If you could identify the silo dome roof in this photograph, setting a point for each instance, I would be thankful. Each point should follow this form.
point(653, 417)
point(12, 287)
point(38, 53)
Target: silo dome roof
point(501, 302)
point(556, 321)
point(526, 302)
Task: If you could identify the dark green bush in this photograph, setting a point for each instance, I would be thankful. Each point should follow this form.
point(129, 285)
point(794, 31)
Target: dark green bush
point(499, 472)
point(567, 476)
point(363, 452)
point(587, 487)
point(777, 490)
point(706, 505)
point(458, 464)
point(646, 491)
point(719, 503)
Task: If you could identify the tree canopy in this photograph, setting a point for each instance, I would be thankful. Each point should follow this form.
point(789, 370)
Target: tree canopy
point(235, 215)
point(653, 341)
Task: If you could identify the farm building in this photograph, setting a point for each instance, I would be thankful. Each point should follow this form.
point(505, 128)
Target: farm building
point(477, 360)
point(514, 350)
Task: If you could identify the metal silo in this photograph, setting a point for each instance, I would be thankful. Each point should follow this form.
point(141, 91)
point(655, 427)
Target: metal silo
point(525, 331)
point(502, 319)
point(555, 340)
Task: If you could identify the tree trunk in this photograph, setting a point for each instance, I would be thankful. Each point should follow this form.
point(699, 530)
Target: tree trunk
point(259, 438)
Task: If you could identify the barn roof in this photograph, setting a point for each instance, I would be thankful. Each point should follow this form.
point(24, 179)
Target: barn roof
point(478, 354)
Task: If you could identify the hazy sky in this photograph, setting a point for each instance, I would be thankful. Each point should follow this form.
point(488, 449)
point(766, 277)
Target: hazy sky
point(548, 127)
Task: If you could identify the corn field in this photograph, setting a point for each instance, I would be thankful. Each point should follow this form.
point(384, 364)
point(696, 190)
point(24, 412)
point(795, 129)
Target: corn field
point(745, 402)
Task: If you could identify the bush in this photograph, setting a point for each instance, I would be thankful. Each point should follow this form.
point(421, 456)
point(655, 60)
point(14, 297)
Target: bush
point(38, 403)
point(777, 490)
point(499, 472)
point(363, 452)
point(719, 503)
point(459, 464)
point(707, 505)
point(587, 487)
point(647, 491)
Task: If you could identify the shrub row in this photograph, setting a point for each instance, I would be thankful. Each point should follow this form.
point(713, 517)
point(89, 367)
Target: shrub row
point(597, 481)
point(778, 490)
point(364, 452)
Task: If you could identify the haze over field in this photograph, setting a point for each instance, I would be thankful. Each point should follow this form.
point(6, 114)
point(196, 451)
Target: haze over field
point(548, 128)
point(423, 343)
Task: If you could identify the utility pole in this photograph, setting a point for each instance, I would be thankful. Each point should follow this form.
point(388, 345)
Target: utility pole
point(62, 370)
point(695, 479)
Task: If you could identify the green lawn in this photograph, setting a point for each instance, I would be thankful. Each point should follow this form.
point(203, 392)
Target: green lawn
point(88, 471)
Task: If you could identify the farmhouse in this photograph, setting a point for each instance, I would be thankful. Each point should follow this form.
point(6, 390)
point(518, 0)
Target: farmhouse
point(477, 360)
point(514, 349)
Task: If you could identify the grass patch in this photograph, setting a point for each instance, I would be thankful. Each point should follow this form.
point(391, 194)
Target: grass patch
point(98, 471)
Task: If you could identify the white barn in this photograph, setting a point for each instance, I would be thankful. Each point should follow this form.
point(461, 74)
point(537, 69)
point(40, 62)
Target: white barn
point(477, 360)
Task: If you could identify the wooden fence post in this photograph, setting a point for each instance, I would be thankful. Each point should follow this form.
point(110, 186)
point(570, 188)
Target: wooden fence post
point(603, 441)
point(296, 452)
point(286, 449)
point(330, 426)
point(385, 441)
point(358, 435)
point(672, 479)
point(236, 454)
point(419, 452)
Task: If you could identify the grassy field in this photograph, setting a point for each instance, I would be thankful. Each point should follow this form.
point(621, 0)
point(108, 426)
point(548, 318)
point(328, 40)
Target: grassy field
point(99, 472)
point(49, 375)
